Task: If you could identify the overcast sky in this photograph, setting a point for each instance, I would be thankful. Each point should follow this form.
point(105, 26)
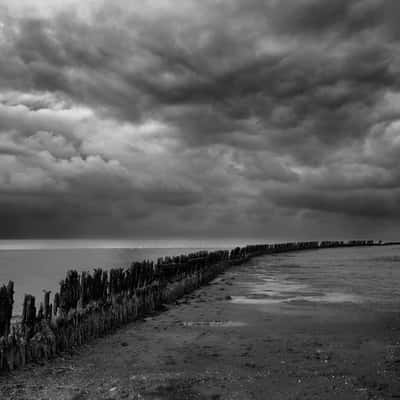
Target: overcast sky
point(165, 118)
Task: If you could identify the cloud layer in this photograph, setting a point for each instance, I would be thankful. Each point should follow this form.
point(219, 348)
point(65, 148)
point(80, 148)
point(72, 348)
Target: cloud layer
point(273, 119)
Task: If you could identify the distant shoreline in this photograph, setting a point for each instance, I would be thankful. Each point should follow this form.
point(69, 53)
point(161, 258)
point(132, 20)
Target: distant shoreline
point(77, 244)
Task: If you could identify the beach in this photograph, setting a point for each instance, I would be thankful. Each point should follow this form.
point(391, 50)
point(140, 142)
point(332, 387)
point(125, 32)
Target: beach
point(228, 340)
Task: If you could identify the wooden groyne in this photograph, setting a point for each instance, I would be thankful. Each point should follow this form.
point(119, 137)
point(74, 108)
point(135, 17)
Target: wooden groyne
point(90, 305)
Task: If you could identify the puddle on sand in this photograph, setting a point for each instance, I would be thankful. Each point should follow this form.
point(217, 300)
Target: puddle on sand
point(217, 324)
point(270, 289)
point(273, 287)
point(156, 376)
point(323, 298)
point(258, 300)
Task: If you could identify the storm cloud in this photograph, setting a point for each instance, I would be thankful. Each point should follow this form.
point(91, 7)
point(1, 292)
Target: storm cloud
point(268, 119)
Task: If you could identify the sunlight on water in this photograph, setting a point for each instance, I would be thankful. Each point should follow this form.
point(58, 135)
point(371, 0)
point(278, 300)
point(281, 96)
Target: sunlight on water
point(54, 244)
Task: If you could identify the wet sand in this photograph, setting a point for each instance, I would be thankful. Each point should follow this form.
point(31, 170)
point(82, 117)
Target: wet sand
point(210, 347)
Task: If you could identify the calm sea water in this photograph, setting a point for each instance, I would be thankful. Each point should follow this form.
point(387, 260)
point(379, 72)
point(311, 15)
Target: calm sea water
point(358, 275)
point(37, 265)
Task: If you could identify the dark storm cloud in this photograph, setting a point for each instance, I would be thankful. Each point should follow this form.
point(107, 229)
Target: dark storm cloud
point(204, 116)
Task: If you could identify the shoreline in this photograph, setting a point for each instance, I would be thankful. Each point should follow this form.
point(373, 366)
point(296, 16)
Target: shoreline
point(206, 347)
point(91, 305)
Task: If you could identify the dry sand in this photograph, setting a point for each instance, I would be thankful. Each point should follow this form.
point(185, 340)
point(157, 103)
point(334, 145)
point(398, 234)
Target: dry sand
point(207, 347)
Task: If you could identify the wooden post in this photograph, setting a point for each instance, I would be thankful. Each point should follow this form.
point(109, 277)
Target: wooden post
point(29, 315)
point(46, 305)
point(6, 305)
point(56, 303)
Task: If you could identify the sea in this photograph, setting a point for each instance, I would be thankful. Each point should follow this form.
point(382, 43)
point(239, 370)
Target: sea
point(38, 265)
point(341, 275)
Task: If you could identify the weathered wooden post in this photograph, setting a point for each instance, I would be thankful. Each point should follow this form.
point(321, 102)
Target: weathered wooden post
point(46, 304)
point(56, 303)
point(29, 315)
point(6, 305)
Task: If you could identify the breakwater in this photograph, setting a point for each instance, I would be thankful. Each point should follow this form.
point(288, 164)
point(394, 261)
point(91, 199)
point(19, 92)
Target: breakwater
point(89, 305)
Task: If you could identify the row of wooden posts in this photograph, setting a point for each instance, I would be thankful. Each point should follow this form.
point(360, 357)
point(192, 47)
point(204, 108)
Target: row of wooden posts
point(88, 305)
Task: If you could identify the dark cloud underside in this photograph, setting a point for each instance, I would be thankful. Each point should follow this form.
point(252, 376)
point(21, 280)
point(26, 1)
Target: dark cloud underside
point(211, 118)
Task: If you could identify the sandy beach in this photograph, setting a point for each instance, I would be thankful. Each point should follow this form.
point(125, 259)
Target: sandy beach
point(208, 346)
